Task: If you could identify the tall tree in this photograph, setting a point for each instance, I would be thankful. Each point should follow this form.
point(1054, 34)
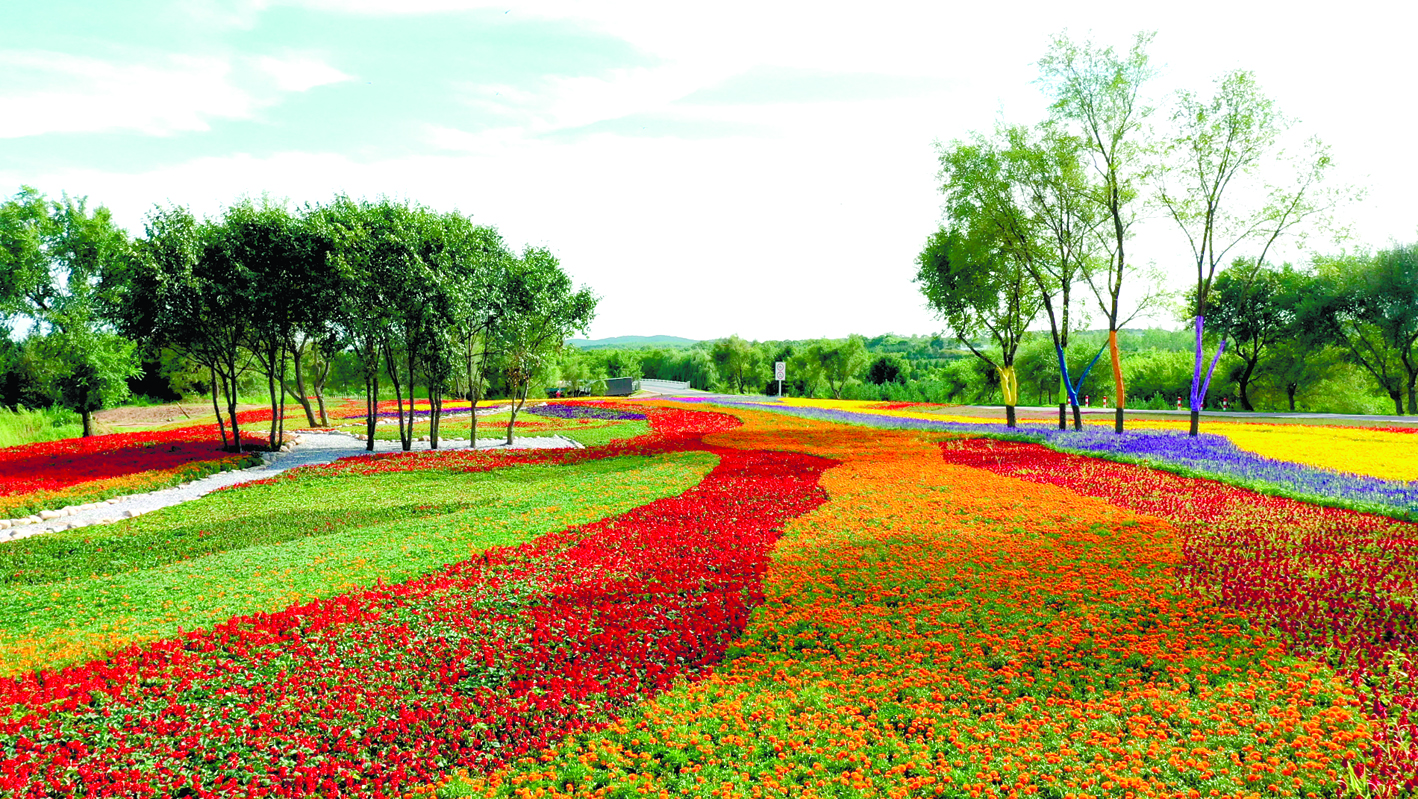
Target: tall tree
point(1218, 145)
point(288, 288)
point(1030, 189)
point(178, 293)
point(542, 310)
point(977, 288)
point(1098, 92)
point(366, 265)
point(57, 260)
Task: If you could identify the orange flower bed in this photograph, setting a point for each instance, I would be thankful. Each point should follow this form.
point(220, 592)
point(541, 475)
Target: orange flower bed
point(939, 630)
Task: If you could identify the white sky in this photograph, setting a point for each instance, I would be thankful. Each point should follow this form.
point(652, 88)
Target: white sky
point(708, 169)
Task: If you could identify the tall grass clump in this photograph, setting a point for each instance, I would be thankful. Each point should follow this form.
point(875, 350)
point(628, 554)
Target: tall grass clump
point(32, 425)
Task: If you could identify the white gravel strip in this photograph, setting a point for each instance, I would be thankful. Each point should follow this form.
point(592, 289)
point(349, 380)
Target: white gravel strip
point(305, 449)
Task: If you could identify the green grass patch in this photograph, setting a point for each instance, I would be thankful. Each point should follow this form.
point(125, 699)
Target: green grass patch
point(262, 548)
point(31, 426)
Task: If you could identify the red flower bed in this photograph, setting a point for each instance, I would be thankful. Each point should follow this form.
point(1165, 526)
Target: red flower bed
point(53, 465)
point(1342, 586)
point(364, 694)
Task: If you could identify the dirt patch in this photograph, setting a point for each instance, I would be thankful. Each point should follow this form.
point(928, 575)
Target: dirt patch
point(131, 417)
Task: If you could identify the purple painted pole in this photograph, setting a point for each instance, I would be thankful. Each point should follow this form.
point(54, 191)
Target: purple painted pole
point(1200, 388)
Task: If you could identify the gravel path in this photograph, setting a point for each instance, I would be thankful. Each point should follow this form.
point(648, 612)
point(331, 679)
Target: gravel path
point(307, 449)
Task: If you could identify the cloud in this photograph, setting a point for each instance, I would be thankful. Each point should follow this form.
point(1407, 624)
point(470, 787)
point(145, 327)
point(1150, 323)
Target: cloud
point(785, 85)
point(300, 73)
point(50, 92)
point(53, 92)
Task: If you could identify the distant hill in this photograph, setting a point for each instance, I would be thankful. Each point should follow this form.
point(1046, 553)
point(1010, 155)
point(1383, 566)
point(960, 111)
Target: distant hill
point(630, 342)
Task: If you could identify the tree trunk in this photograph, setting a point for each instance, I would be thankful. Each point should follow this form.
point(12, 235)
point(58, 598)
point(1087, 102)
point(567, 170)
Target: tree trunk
point(1119, 389)
point(299, 393)
point(413, 395)
point(1412, 390)
point(321, 375)
point(1290, 389)
point(1009, 420)
point(217, 409)
point(371, 407)
point(1397, 402)
point(1077, 417)
point(1245, 382)
point(435, 413)
point(229, 386)
point(515, 406)
point(1196, 422)
point(404, 441)
point(1063, 415)
point(88, 418)
point(276, 397)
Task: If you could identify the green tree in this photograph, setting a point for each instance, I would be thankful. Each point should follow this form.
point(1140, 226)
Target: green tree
point(175, 293)
point(885, 369)
point(1254, 307)
point(1219, 145)
point(543, 309)
point(978, 289)
point(838, 361)
point(738, 362)
point(1369, 306)
point(290, 286)
point(57, 263)
point(1030, 191)
point(1097, 92)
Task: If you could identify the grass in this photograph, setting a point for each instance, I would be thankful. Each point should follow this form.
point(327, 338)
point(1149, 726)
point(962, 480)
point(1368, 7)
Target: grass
point(30, 426)
point(76, 595)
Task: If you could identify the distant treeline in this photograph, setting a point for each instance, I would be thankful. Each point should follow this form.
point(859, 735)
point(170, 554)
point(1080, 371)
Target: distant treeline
point(1157, 366)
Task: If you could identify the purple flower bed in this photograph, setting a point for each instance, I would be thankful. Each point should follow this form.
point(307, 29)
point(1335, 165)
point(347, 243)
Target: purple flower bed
point(578, 411)
point(1207, 455)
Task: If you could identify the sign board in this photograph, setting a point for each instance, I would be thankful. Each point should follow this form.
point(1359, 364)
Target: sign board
point(780, 370)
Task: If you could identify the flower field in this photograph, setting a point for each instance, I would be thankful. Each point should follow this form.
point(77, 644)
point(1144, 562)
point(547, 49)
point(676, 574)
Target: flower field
point(724, 601)
point(72, 471)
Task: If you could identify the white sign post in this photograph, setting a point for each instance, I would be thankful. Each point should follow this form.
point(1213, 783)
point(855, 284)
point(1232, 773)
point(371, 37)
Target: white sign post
point(780, 371)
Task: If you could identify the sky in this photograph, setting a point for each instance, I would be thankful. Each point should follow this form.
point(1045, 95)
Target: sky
point(761, 169)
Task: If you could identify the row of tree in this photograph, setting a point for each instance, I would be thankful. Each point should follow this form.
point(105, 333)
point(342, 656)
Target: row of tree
point(418, 297)
point(1036, 215)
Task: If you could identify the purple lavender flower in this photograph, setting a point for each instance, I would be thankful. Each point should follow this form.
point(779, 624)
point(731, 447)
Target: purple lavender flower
point(580, 411)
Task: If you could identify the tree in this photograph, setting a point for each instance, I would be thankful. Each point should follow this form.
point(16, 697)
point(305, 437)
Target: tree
point(1254, 306)
point(175, 292)
point(542, 310)
point(366, 262)
point(1098, 91)
point(1031, 193)
point(1369, 306)
point(886, 369)
point(1219, 144)
point(56, 260)
point(738, 362)
point(289, 291)
point(976, 288)
point(838, 361)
